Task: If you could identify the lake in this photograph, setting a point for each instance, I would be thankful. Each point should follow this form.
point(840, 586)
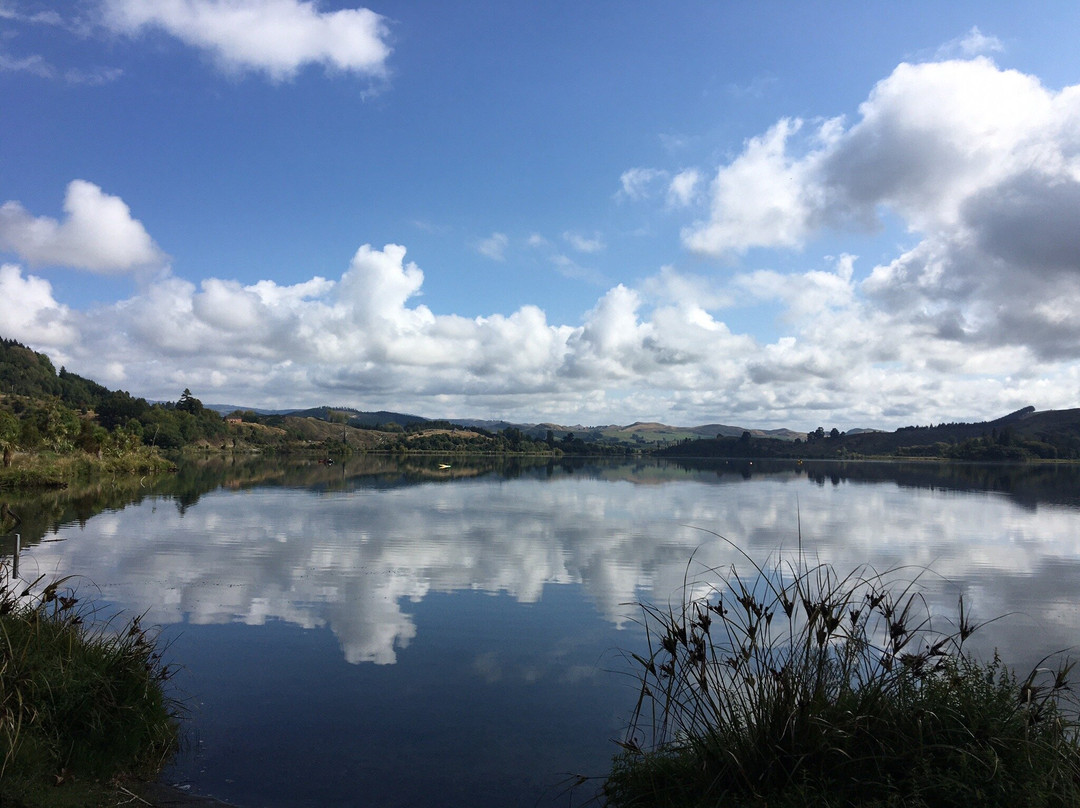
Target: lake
point(389, 632)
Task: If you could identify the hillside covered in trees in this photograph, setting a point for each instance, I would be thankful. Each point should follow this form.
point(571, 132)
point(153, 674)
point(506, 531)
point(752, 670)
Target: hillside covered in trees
point(46, 410)
point(43, 410)
point(1022, 435)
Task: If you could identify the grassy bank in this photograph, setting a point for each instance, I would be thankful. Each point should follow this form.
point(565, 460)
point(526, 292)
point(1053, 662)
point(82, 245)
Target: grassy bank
point(83, 709)
point(794, 685)
point(51, 470)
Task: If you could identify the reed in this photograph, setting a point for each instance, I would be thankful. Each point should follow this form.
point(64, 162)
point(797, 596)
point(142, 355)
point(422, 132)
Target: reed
point(82, 703)
point(792, 684)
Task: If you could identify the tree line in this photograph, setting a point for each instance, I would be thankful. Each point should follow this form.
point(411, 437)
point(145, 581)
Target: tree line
point(45, 409)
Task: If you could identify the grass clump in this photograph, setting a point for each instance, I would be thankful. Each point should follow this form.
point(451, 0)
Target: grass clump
point(82, 707)
point(796, 685)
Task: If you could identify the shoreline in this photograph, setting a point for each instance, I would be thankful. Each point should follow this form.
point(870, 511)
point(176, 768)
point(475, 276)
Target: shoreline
point(166, 795)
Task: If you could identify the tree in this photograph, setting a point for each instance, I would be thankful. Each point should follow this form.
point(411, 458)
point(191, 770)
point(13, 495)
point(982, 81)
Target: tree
point(188, 403)
point(50, 423)
point(513, 436)
point(119, 408)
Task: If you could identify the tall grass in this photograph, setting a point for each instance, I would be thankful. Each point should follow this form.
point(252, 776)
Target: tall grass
point(51, 470)
point(794, 684)
point(79, 701)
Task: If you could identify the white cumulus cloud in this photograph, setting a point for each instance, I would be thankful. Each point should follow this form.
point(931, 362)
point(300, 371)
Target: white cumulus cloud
point(659, 350)
point(98, 234)
point(981, 163)
point(759, 199)
point(30, 311)
point(275, 37)
point(973, 43)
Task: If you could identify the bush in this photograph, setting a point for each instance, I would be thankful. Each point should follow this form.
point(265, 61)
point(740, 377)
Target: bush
point(799, 686)
point(78, 703)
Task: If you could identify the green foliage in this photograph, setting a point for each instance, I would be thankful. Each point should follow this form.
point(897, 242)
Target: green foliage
point(77, 702)
point(800, 686)
point(26, 373)
point(55, 412)
point(188, 403)
point(80, 393)
point(119, 408)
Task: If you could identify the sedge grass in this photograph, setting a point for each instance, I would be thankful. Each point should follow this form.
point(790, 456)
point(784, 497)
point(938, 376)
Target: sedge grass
point(797, 685)
point(83, 705)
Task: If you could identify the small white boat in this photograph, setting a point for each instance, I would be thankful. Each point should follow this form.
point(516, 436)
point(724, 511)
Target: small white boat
point(444, 465)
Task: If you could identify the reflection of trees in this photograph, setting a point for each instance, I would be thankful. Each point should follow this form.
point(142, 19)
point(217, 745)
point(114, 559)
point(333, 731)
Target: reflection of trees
point(1027, 484)
point(45, 511)
point(351, 545)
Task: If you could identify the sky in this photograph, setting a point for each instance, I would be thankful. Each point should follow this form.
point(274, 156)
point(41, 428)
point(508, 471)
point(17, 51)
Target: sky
point(755, 213)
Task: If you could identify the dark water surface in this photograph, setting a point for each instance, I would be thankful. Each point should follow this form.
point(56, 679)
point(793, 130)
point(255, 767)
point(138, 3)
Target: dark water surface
point(383, 633)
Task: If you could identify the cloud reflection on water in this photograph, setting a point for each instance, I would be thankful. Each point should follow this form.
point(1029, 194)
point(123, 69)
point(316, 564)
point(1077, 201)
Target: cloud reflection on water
point(355, 559)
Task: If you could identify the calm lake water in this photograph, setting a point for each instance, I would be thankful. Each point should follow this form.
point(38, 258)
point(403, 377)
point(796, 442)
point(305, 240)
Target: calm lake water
point(383, 633)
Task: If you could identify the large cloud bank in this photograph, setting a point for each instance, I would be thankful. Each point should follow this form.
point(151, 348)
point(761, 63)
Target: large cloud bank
point(983, 164)
point(972, 317)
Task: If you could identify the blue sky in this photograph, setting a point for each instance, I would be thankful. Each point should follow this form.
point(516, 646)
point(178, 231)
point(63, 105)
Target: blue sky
point(767, 214)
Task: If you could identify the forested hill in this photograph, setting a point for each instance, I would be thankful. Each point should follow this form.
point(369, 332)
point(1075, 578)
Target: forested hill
point(357, 418)
point(43, 408)
point(1022, 435)
point(24, 372)
point(64, 412)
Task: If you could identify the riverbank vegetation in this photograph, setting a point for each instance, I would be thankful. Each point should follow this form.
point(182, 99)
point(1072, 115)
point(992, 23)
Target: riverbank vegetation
point(55, 470)
point(83, 705)
point(795, 685)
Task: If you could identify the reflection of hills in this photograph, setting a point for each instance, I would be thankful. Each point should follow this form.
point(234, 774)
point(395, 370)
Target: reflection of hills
point(1028, 484)
point(44, 512)
point(351, 546)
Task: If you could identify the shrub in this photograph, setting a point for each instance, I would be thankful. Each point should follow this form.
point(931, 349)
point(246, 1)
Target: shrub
point(77, 702)
point(797, 685)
